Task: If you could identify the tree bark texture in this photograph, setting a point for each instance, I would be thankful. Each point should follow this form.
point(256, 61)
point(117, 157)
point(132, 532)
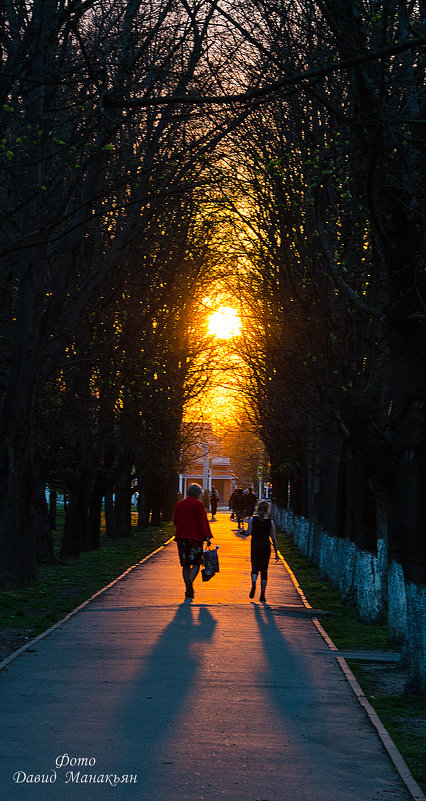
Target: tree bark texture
point(170, 496)
point(122, 505)
point(396, 603)
point(109, 514)
point(143, 512)
point(75, 529)
point(53, 500)
point(414, 653)
point(40, 512)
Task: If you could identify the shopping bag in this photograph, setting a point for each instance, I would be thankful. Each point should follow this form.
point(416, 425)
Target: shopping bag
point(210, 564)
point(206, 574)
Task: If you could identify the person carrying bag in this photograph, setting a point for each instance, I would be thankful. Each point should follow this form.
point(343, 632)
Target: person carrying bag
point(192, 529)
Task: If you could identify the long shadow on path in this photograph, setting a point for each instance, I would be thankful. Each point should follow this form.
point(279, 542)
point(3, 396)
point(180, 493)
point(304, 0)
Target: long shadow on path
point(332, 746)
point(160, 696)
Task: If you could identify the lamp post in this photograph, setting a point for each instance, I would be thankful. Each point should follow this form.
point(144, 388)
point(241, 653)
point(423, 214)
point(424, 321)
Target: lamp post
point(259, 474)
point(205, 466)
point(209, 474)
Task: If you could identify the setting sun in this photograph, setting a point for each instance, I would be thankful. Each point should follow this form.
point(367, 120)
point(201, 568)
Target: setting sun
point(224, 323)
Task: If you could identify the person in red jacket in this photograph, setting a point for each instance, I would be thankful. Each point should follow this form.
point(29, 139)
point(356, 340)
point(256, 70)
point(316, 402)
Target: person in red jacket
point(192, 529)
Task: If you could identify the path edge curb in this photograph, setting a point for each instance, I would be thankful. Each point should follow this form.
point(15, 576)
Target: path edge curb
point(397, 759)
point(77, 609)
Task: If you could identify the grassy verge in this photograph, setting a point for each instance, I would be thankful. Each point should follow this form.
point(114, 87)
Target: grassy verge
point(27, 611)
point(404, 717)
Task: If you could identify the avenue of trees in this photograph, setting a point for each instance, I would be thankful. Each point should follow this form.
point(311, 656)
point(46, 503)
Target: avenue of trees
point(130, 131)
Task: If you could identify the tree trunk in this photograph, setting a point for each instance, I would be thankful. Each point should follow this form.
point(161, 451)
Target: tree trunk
point(155, 508)
point(280, 484)
point(75, 529)
point(414, 653)
point(407, 489)
point(99, 491)
point(332, 482)
point(369, 589)
point(17, 535)
point(44, 542)
point(122, 511)
point(170, 497)
point(53, 499)
point(397, 604)
point(17, 538)
point(109, 514)
point(299, 491)
point(94, 517)
point(143, 512)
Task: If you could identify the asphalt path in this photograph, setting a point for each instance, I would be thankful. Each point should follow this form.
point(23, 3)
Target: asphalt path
point(216, 698)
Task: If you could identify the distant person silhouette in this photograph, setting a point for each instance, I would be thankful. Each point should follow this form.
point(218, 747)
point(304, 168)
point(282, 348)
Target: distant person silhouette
point(192, 529)
point(251, 501)
point(239, 507)
point(231, 502)
point(214, 497)
point(262, 531)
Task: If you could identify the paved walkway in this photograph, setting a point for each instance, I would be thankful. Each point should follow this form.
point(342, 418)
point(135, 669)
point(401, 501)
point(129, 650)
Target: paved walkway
point(219, 698)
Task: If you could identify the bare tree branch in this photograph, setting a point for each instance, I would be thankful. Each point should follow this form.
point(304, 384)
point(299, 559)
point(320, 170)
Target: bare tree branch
point(108, 99)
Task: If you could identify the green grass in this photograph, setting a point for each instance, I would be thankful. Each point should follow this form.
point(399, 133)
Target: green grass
point(31, 609)
point(403, 716)
point(404, 728)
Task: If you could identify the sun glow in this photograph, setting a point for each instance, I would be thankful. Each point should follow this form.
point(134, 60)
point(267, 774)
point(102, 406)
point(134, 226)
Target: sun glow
point(224, 323)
